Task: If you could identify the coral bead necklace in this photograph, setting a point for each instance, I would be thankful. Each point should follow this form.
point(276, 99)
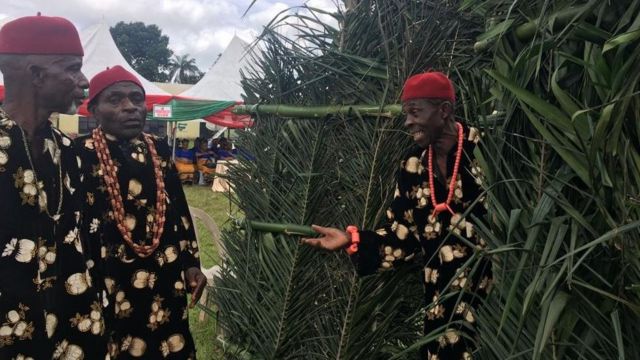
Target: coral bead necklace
point(440, 207)
point(109, 174)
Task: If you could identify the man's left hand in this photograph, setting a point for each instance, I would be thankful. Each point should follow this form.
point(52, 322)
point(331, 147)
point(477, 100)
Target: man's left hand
point(197, 281)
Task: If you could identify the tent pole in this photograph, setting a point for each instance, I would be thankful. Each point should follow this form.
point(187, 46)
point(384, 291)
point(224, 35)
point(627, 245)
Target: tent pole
point(173, 137)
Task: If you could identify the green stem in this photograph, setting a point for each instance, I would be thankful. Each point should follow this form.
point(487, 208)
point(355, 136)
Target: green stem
point(288, 229)
point(525, 32)
point(295, 111)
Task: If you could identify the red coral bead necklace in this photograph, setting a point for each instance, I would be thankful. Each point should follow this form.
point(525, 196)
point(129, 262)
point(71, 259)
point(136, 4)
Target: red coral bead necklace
point(109, 174)
point(440, 207)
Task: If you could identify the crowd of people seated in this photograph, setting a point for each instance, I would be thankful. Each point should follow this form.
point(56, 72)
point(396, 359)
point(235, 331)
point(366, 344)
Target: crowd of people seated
point(197, 164)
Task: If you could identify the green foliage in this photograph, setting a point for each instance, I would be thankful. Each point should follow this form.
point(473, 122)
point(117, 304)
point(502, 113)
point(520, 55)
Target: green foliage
point(564, 177)
point(144, 47)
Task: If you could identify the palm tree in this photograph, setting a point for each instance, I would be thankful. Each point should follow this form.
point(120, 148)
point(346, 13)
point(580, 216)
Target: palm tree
point(183, 70)
point(554, 86)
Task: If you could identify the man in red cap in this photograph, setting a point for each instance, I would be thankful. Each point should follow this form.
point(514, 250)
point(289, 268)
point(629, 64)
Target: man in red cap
point(48, 306)
point(138, 224)
point(438, 182)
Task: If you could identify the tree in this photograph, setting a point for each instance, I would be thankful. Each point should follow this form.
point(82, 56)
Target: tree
point(144, 47)
point(183, 70)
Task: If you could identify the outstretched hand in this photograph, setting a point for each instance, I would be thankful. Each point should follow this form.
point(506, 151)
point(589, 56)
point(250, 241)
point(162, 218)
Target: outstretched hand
point(331, 239)
point(196, 281)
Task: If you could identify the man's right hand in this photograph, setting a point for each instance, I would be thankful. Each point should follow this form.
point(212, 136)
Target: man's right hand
point(331, 239)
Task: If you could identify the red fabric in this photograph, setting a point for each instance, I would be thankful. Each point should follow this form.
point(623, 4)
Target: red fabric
point(230, 120)
point(150, 100)
point(40, 35)
point(108, 77)
point(1, 93)
point(429, 85)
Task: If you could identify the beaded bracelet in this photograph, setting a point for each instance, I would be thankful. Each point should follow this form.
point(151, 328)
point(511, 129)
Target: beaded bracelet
point(355, 239)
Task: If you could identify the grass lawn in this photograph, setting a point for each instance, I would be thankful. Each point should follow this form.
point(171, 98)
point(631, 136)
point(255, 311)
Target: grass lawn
point(218, 207)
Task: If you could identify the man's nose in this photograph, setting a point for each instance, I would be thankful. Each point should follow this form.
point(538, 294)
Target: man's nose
point(128, 105)
point(409, 120)
point(83, 83)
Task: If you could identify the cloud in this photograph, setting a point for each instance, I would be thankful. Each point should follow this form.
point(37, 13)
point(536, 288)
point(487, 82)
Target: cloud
point(201, 28)
point(263, 16)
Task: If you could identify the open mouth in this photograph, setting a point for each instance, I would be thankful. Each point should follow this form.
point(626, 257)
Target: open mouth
point(417, 134)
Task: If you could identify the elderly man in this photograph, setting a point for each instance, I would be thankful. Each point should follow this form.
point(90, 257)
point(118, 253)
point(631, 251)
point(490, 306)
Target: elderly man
point(138, 224)
point(48, 306)
point(438, 182)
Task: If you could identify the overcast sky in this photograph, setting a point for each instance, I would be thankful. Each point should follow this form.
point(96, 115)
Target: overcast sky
point(201, 28)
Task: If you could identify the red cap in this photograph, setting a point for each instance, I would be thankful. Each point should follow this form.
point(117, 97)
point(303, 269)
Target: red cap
point(40, 35)
point(429, 85)
point(108, 77)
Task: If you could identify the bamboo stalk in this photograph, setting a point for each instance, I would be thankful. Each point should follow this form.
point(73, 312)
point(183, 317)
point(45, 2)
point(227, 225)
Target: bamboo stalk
point(525, 32)
point(288, 229)
point(560, 19)
point(294, 111)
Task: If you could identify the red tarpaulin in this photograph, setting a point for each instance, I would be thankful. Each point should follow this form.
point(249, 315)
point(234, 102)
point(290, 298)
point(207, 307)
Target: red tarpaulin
point(230, 120)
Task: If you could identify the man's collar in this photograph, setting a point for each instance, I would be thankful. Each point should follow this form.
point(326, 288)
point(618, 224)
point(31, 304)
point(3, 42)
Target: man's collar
point(134, 140)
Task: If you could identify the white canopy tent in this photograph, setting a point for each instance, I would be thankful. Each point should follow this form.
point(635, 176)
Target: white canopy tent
point(100, 52)
point(222, 81)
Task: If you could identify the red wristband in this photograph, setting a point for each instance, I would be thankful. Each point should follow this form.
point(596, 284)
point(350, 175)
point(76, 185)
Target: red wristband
point(355, 239)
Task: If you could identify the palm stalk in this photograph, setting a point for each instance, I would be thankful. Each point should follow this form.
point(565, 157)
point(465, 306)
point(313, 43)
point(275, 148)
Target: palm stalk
point(287, 229)
point(310, 112)
point(320, 112)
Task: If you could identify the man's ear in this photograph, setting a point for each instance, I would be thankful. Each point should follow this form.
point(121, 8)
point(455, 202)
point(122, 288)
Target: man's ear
point(38, 74)
point(446, 109)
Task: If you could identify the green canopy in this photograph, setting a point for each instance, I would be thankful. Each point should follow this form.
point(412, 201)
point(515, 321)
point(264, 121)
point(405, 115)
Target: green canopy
point(190, 109)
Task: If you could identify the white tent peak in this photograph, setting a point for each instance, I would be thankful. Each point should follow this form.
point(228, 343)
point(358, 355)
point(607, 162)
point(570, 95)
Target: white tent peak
point(100, 52)
point(222, 81)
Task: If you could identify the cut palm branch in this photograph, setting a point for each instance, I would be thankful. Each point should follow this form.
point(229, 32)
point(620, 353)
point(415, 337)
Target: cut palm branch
point(310, 112)
point(287, 229)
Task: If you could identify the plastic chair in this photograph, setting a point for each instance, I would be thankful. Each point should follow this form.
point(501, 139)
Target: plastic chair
point(214, 271)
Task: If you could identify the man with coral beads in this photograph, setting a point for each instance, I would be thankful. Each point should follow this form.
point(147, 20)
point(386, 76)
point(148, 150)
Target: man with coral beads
point(438, 182)
point(138, 225)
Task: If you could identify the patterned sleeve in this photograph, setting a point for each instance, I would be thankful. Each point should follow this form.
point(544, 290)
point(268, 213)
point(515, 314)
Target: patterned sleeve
point(190, 254)
point(397, 242)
